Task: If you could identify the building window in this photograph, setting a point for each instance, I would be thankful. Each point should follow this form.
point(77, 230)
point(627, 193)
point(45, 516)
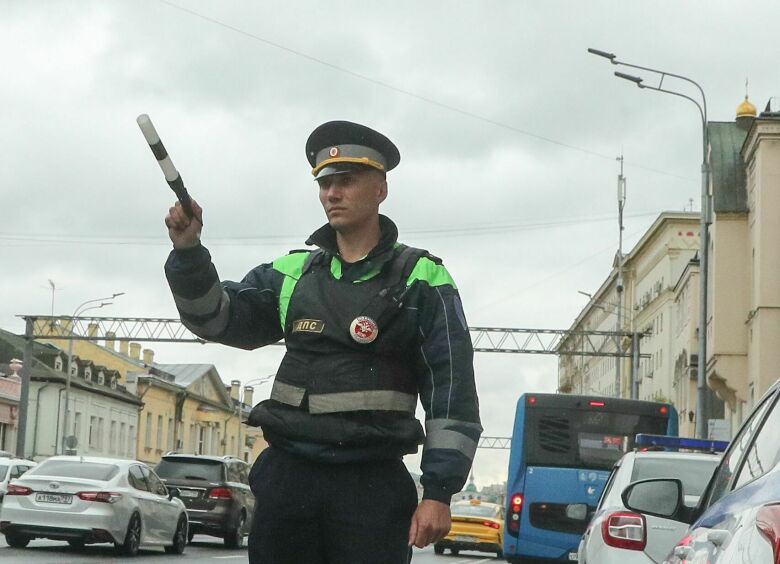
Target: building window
point(77, 425)
point(101, 378)
point(58, 364)
point(112, 440)
point(122, 438)
point(100, 431)
point(170, 446)
point(74, 368)
point(88, 373)
point(201, 440)
point(93, 432)
point(4, 432)
point(148, 434)
point(159, 432)
point(131, 443)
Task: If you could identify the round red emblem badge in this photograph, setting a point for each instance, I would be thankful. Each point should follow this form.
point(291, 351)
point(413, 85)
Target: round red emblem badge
point(363, 330)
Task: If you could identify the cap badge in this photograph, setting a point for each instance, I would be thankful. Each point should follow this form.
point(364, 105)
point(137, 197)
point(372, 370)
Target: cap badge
point(334, 152)
point(363, 330)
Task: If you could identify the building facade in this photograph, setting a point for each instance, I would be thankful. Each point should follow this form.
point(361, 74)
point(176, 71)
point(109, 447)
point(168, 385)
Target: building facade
point(650, 273)
point(10, 390)
point(103, 415)
point(743, 296)
point(186, 407)
point(744, 325)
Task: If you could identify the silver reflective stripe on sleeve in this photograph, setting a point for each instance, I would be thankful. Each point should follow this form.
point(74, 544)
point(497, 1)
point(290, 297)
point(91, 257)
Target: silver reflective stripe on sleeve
point(385, 400)
point(439, 435)
point(214, 326)
point(287, 394)
point(202, 305)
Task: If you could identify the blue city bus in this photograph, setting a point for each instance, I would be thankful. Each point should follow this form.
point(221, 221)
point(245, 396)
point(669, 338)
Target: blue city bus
point(563, 448)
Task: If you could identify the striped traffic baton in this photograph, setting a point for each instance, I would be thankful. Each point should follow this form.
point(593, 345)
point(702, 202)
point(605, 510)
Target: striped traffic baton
point(172, 175)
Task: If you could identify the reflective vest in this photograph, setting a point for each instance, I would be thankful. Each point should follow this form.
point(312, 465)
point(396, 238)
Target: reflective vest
point(347, 377)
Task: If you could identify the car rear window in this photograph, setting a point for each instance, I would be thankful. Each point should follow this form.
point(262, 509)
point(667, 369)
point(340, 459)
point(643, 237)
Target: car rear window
point(473, 511)
point(190, 469)
point(3, 470)
point(694, 474)
point(75, 469)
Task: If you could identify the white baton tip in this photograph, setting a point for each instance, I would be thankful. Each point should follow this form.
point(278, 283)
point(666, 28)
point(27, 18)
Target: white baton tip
point(147, 129)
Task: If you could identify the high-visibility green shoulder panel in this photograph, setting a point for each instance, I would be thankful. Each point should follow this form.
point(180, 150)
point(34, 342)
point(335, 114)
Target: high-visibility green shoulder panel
point(292, 267)
point(292, 264)
point(428, 271)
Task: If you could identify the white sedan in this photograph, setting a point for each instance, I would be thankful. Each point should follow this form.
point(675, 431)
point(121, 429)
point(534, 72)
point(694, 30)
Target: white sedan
point(82, 500)
point(617, 535)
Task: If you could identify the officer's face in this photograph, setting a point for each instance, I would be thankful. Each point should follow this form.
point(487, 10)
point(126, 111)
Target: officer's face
point(352, 200)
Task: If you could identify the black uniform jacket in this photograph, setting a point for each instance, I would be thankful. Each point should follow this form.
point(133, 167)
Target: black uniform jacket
point(337, 397)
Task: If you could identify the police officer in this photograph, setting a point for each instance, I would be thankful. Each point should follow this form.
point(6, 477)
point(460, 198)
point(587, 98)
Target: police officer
point(369, 325)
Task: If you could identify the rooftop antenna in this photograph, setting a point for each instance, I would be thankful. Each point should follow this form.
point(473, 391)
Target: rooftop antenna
point(621, 200)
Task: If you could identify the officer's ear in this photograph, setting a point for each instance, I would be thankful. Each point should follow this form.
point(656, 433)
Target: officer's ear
point(381, 185)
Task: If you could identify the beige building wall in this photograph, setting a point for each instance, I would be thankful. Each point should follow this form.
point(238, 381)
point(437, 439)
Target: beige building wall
point(762, 156)
point(685, 323)
point(729, 283)
point(156, 422)
point(744, 330)
point(651, 272)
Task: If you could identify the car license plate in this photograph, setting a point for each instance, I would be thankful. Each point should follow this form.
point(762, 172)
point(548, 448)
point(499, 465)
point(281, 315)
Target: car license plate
point(573, 556)
point(188, 493)
point(64, 499)
point(464, 538)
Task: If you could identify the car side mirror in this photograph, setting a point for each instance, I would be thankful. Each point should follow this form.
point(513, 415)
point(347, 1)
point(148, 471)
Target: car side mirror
point(661, 497)
point(577, 511)
point(173, 492)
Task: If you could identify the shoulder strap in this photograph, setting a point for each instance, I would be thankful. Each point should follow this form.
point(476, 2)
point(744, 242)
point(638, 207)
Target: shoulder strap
point(388, 302)
point(400, 270)
point(316, 256)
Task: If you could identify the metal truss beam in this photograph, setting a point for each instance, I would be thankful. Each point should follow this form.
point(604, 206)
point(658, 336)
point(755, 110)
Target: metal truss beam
point(484, 339)
point(495, 442)
point(112, 328)
point(547, 341)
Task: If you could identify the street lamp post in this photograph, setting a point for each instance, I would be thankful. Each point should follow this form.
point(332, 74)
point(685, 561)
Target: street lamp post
point(78, 311)
point(705, 220)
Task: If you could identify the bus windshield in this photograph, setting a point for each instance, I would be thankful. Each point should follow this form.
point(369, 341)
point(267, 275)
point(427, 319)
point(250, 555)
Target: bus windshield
point(584, 438)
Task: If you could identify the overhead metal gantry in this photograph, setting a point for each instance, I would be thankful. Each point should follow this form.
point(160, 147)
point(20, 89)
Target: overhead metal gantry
point(484, 339)
point(150, 329)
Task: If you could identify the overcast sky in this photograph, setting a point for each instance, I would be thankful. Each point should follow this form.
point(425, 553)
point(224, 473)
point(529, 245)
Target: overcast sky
point(508, 132)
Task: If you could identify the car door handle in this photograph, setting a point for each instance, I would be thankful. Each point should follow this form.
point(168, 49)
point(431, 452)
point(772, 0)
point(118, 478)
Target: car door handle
point(718, 536)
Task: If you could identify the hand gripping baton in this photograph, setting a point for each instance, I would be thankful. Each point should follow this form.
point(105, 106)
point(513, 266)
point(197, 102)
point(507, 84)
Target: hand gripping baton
point(172, 175)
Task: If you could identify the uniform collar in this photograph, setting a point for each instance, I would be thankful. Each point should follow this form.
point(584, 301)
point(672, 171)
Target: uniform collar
point(325, 238)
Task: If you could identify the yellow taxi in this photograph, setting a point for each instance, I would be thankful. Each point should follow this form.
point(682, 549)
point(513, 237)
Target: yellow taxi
point(476, 525)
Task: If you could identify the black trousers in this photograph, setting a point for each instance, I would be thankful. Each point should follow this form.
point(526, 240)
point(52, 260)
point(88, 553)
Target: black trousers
point(314, 513)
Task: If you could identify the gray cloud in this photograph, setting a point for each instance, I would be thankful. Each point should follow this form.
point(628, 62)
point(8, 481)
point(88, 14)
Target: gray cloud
point(508, 131)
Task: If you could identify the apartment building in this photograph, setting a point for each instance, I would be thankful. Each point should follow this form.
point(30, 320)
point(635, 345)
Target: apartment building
point(661, 295)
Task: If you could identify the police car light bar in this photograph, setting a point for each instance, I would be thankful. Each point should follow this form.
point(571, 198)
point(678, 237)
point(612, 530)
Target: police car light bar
point(644, 440)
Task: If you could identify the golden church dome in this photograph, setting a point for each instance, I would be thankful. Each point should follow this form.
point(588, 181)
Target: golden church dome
point(746, 109)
